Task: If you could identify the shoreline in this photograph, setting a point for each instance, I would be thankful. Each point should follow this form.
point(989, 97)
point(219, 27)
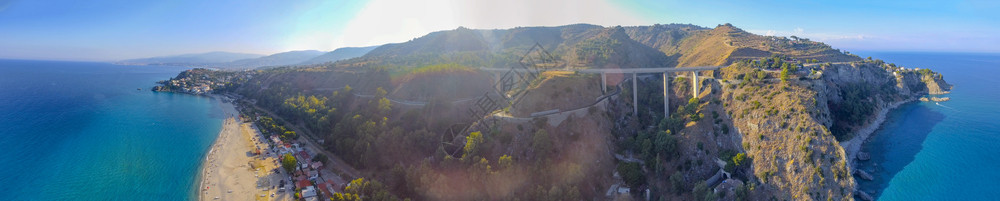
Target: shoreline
point(231, 170)
point(853, 146)
point(202, 169)
point(201, 178)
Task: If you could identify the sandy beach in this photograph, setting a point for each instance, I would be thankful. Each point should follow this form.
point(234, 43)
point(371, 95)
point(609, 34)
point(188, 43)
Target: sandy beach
point(231, 170)
point(853, 146)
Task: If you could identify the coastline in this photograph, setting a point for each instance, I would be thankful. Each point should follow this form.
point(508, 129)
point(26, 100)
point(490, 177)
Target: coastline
point(230, 170)
point(227, 124)
point(853, 146)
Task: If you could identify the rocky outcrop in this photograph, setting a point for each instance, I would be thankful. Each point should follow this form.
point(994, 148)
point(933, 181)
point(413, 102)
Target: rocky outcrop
point(935, 84)
point(935, 99)
point(797, 132)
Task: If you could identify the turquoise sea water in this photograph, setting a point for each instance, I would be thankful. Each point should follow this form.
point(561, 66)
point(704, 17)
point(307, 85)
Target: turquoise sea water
point(943, 151)
point(81, 131)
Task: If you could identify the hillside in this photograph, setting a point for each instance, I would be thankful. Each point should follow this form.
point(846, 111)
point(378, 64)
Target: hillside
point(279, 59)
point(440, 82)
point(591, 46)
point(612, 48)
point(340, 54)
point(696, 46)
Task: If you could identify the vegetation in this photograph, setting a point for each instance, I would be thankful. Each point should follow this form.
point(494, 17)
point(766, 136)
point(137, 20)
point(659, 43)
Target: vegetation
point(419, 152)
point(288, 162)
point(855, 108)
point(701, 192)
point(632, 174)
point(361, 189)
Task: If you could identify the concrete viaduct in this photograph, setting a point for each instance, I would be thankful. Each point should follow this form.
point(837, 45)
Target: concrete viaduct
point(634, 71)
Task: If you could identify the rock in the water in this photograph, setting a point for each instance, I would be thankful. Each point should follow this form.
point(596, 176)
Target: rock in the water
point(935, 99)
point(941, 99)
point(864, 196)
point(864, 175)
point(864, 156)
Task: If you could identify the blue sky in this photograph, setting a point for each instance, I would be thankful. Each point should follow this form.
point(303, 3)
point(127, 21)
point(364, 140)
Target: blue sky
point(108, 30)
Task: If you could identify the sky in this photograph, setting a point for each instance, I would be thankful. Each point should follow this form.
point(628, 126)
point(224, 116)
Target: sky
point(111, 30)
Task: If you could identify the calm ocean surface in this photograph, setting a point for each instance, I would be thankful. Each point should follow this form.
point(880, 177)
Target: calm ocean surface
point(81, 131)
point(944, 151)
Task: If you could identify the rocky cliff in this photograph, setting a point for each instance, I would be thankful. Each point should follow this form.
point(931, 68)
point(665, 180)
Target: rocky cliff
point(795, 130)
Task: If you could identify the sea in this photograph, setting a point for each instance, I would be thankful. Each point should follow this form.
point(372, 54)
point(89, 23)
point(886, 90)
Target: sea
point(95, 131)
point(940, 151)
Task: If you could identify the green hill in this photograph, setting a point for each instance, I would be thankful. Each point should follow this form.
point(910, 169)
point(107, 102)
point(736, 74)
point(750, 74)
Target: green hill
point(400, 119)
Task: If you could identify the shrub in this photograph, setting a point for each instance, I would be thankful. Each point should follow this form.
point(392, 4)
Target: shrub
point(632, 174)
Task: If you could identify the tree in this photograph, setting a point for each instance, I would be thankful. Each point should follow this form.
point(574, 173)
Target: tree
point(382, 104)
point(288, 162)
point(505, 162)
point(288, 135)
point(472, 143)
point(701, 191)
point(369, 190)
point(740, 159)
point(541, 144)
point(692, 109)
point(784, 74)
point(677, 182)
point(666, 144)
point(632, 174)
point(319, 157)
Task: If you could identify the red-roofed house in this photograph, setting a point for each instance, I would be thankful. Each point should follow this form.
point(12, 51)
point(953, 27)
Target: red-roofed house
point(317, 165)
point(323, 188)
point(304, 155)
point(303, 183)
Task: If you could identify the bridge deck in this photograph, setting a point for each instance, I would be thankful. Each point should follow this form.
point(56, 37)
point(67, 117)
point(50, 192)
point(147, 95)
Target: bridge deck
point(620, 70)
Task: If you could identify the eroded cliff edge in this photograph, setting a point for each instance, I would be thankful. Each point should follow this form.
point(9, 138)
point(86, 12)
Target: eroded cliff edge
point(803, 131)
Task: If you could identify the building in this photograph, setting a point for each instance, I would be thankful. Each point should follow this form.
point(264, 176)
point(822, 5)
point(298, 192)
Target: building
point(317, 165)
point(303, 183)
point(308, 192)
point(325, 189)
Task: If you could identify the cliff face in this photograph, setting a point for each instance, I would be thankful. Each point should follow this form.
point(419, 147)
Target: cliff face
point(795, 131)
point(794, 155)
point(936, 84)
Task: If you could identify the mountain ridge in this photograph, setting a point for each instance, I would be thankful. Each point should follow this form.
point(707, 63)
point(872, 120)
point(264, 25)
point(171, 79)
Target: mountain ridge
point(193, 58)
point(340, 54)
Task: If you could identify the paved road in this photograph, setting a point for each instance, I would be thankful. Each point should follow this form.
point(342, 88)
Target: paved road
point(834, 63)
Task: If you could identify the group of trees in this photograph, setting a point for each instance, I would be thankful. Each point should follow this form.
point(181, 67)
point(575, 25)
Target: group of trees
point(856, 106)
point(362, 189)
point(598, 51)
point(773, 62)
point(734, 161)
point(270, 127)
point(311, 110)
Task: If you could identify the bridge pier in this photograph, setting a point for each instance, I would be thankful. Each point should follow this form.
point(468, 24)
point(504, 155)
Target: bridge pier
point(666, 99)
point(635, 84)
point(694, 74)
point(604, 82)
point(635, 96)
